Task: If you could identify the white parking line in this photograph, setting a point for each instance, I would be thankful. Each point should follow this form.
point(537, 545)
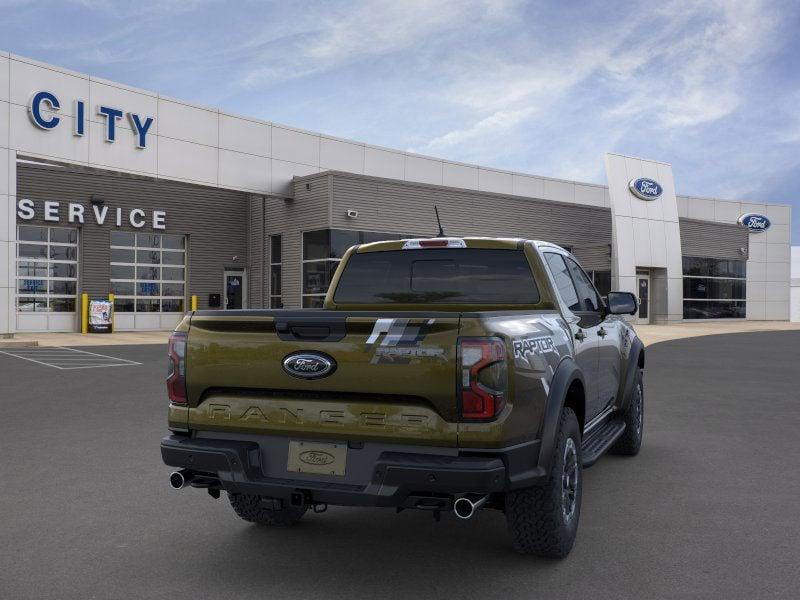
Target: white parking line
point(103, 355)
point(60, 357)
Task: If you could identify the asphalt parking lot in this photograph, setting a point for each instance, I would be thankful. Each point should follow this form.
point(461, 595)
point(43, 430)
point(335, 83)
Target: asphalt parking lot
point(709, 509)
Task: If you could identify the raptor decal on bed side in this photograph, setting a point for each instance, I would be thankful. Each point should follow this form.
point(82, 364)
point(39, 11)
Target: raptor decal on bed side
point(534, 345)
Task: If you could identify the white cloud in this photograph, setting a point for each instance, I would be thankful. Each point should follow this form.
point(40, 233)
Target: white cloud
point(665, 68)
point(325, 38)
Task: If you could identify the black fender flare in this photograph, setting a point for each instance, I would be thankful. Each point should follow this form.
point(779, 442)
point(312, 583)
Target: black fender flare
point(565, 374)
point(628, 376)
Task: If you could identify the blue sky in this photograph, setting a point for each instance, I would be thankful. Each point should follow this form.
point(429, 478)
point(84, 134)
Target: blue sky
point(541, 87)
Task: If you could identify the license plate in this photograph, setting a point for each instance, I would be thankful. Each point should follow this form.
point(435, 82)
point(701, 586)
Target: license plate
point(320, 459)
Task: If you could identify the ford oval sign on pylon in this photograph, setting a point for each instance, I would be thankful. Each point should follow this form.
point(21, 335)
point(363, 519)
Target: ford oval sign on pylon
point(754, 222)
point(646, 189)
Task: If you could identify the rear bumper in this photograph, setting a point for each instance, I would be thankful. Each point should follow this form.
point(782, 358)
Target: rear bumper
point(397, 478)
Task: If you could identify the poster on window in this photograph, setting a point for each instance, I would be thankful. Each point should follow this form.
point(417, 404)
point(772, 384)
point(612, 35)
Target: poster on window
point(100, 314)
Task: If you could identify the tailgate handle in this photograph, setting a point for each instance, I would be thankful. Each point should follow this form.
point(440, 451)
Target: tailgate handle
point(317, 330)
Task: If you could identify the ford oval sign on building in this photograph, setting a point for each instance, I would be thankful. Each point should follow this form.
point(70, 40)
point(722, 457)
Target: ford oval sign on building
point(309, 365)
point(754, 222)
point(646, 189)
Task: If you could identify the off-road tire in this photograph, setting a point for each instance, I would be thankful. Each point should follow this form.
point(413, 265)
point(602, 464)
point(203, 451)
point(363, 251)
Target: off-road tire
point(251, 508)
point(630, 441)
point(536, 517)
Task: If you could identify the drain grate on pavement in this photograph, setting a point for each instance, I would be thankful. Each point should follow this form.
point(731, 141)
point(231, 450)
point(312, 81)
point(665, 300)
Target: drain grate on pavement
point(67, 359)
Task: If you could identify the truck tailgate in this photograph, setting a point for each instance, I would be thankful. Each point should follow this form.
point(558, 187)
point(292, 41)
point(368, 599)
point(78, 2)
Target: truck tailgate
point(392, 376)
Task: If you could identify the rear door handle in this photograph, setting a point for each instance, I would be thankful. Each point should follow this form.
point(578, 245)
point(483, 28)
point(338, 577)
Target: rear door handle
point(580, 336)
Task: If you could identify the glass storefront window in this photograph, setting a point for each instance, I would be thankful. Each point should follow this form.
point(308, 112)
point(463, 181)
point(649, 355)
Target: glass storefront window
point(316, 244)
point(123, 238)
point(62, 235)
point(172, 305)
point(317, 276)
point(30, 233)
point(31, 304)
point(63, 288)
point(62, 304)
point(122, 288)
point(714, 288)
point(275, 250)
point(602, 281)
point(137, 279)
point(32, 251)
point(173, 242)
point(124, 304)
point(313, 301)
point(323, 250)
point(275, 258)
point(699, 266)
point(120, 255)
point(46, 268)
point(714, 309)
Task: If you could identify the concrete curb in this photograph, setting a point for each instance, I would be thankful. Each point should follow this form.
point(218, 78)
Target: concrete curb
point(18, 344)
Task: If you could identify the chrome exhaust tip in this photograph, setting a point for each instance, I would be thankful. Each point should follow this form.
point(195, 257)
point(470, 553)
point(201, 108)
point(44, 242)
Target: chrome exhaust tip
point(177, 480)
point(465, 507)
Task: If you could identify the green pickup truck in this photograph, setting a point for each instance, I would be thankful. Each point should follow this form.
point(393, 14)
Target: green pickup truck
point(442, 374)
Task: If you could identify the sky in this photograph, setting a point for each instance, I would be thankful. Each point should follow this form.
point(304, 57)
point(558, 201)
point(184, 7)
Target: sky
point(540, 87)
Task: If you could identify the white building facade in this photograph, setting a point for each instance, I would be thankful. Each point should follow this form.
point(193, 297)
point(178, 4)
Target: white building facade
point(795, 286)
point(109, 189)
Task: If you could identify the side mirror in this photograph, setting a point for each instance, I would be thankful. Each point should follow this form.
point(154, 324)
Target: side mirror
point(622, 303)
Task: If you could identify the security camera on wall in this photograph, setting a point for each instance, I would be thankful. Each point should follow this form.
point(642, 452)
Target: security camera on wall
point(352, 214)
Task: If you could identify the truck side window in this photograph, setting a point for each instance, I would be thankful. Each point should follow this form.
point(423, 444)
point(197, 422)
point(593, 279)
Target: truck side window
point(566, 289)
point(586, 292)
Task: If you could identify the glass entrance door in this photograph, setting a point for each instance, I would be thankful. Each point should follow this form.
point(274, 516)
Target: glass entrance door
point(643, 318)
point(234, 290)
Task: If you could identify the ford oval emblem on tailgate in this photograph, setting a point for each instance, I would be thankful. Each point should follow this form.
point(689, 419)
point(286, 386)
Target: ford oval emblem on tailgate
point(309, 365)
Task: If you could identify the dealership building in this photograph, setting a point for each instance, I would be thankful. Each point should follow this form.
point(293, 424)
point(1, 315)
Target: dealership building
point(106, 189)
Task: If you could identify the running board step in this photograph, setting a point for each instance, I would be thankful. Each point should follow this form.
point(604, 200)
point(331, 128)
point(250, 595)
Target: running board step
point(600, 440)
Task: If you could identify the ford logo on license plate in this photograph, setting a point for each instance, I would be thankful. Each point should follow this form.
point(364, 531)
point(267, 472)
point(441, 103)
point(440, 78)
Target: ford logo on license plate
point(309, 365)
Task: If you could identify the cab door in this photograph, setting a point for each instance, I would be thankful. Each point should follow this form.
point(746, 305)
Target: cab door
point(608, 339)
point(584, 319)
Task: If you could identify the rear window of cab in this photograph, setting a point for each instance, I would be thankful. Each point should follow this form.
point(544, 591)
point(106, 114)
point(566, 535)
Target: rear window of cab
point(438, 276)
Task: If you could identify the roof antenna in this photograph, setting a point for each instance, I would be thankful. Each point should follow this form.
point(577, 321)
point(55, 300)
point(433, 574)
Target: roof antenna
point(438, 220)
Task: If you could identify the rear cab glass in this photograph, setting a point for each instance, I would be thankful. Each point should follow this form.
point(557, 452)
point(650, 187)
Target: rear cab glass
point(438, 276)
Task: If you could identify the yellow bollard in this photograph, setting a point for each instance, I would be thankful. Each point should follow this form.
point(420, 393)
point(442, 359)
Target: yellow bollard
point(113, 312)
point(194, 303)
point(84, 313)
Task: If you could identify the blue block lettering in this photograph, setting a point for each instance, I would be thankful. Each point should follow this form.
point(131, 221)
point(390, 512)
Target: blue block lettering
point(36, 110)
point(111, 115)
point(80, 117)
point(140, 128)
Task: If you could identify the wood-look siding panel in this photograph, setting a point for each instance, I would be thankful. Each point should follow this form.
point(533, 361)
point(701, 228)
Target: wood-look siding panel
point(307, 211)
point(407, 208)
point(214, 221)
point(256, 252)
point(594, 258)
point(713, 240)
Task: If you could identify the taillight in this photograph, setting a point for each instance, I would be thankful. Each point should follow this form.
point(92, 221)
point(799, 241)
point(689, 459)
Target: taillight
point(176, 374)
point(483, 380)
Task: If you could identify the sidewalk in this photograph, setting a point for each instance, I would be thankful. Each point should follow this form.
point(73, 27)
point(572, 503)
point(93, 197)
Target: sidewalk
point(649, 334)
point(122, 338)
point(652, 334)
